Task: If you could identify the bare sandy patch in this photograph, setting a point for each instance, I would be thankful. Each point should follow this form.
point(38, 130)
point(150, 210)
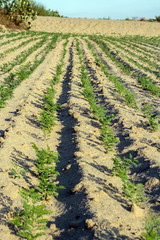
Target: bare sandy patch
point(95, 26)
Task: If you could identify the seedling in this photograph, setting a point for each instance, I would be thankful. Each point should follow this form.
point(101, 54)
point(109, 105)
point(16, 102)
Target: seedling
point(148, 111)
point(30, 222)
point(47, 116)
point(152, 228)
point(108, 138)
point(149, 85)
point(17, 171)
point(121, 166)
point(134, 192)
point(46, 172)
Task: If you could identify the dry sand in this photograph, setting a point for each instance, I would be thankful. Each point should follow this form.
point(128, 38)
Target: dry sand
point(95, 26)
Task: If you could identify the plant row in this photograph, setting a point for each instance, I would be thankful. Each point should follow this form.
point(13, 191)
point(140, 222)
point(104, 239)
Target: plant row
point(31, 221)
point(19, 59)
point(121, 166)
point(135, 192)
point(107, 135)
point(132, 191)
point(47, 116)
point(14, 34)
point(20, 36)
point(148, 41)
point(144, 80)
point(17, 47)
point(134, 61)
point(14, 79)
point(120, 88)
point(148, 53)
point(135, 45)
point(147, 110)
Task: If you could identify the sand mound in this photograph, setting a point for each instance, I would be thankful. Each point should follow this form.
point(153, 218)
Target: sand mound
point(95, 26)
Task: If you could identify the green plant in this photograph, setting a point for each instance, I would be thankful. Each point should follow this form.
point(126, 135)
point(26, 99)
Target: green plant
point(148, 111)
point(17, 171)
point(150, 20)
point(152, 228)
point(47, 115)
point(30, 221)
point(19, 11)
point(134, 192)
point(107, 137)
point(158, 18)
point(46, 172)
point(121, 166)
point(149, 85)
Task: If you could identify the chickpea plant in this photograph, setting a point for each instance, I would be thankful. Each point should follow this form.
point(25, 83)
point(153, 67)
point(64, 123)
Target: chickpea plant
point(30, 222)
point(46, 172)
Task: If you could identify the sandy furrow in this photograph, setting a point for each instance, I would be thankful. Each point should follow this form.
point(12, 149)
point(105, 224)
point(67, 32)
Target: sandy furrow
point(132, 52)
point(134, 137)
point(132, 84)
point(9, 41)
point(12, 55)
point(111, 216)
point(136, 118)
point(136, 48)
point(3, 48)
point(119, 56)
point(1, 32)
point(30, 58)
point(19, 128)
point(123, 52)
point(141, 45)
point(15, 44)
point(151, 47)
point(69, 210)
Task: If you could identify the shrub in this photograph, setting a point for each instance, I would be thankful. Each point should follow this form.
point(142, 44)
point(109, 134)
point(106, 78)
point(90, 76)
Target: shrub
point(19, 11)
point(158, 19)
point(150, 20)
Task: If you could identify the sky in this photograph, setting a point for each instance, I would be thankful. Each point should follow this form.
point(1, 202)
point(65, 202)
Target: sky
point(113, 9)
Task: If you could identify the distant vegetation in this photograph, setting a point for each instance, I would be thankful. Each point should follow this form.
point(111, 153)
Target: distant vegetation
point(22, 12)
point(42, 11)
point(158, 19)
point(144, 19)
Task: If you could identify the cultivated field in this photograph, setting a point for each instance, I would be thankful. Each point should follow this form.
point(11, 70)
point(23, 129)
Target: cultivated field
point(93, 103)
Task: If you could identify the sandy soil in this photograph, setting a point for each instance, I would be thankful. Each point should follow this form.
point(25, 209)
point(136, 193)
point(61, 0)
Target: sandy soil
point(93, 205)
point(95, 26)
